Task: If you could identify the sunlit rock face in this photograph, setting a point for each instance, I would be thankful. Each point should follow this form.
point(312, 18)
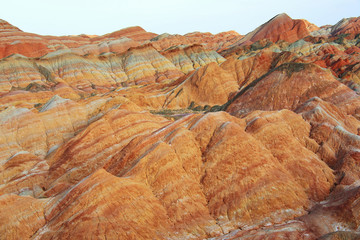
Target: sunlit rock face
point(135, 135)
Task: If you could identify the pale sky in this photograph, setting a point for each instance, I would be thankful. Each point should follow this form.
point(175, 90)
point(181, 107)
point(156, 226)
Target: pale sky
point(70, 17)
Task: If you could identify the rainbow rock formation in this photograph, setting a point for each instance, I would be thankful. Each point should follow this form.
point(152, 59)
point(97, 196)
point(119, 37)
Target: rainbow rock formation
point(135, 135)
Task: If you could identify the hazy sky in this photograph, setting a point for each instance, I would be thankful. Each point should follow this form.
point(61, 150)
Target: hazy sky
point(67, 17)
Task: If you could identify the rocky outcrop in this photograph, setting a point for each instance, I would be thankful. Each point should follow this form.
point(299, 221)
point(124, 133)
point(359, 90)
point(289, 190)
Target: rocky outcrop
point(136, 66)
point(208, 85)
point(85, 74)
point(215, 42)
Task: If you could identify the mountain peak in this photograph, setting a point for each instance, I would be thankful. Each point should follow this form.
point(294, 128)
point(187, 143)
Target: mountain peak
point(279, 18)
point(282, 15)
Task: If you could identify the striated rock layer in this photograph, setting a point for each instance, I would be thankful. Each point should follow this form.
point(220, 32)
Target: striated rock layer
point(133, 135)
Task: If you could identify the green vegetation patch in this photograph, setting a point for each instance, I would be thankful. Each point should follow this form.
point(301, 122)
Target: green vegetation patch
point(292, 67)
point(175, 114)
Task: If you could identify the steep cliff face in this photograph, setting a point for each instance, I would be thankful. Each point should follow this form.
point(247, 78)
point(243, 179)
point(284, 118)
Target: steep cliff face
point(133, 135)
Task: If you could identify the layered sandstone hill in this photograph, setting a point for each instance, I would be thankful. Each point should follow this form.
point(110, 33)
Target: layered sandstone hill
point(280, 27)
point(134, 135)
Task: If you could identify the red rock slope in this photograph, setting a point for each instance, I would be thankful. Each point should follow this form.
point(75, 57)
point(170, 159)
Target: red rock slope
point(280, 27)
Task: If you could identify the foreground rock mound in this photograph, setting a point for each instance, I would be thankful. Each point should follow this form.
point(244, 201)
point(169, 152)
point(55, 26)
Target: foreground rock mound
point(102, 205)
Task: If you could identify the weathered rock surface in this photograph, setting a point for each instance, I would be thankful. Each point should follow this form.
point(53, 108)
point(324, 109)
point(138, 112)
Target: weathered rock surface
point(174, 145)
point(181, 160)
point(121, 136)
